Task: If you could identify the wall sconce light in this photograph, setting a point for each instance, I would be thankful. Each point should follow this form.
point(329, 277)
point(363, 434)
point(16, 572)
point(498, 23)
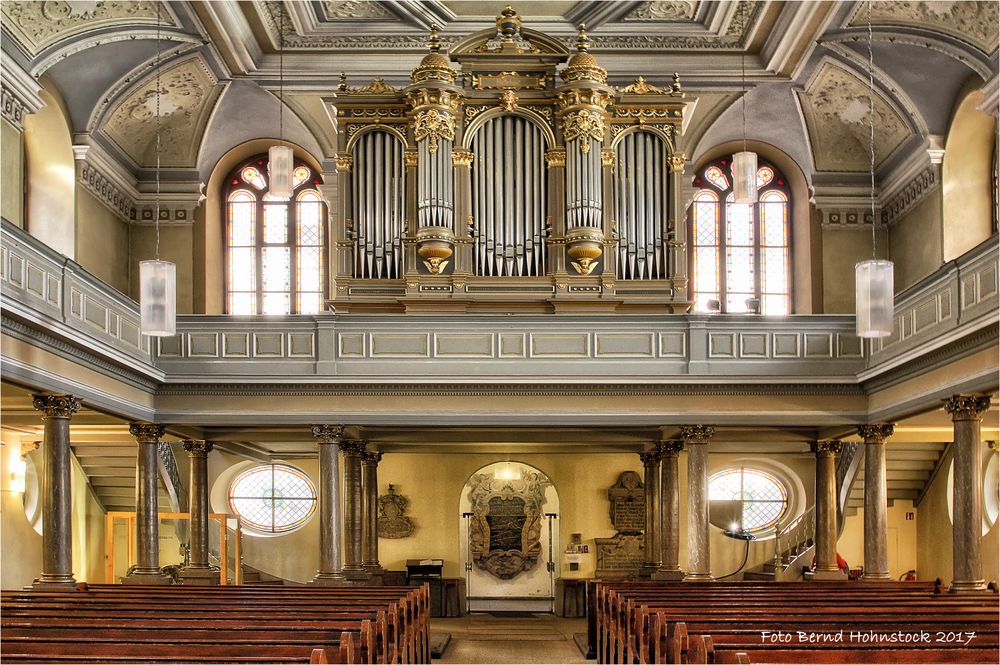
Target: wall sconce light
point(18, 469)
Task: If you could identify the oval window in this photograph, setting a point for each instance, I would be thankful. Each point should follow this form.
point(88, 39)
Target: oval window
point(273, 498)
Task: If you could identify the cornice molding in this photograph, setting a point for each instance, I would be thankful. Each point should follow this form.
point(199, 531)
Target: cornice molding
point(907, 197)
point(19, 91)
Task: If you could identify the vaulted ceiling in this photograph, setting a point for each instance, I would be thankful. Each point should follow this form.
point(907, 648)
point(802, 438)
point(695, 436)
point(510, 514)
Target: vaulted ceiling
point(805, 67)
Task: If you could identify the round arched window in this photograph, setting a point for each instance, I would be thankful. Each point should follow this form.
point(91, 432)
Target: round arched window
point(745, 499)
point(273, 498)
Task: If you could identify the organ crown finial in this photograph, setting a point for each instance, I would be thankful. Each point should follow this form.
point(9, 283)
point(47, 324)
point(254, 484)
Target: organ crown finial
point(582, 40)
point(434, 42)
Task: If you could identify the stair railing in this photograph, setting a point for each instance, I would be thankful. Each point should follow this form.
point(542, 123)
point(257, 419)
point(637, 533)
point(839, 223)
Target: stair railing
point(791, 534)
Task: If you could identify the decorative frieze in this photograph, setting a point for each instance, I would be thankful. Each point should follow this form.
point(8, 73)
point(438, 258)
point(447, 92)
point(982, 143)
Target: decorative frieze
point(14, 110)
point(912, 194)
point(106, 191)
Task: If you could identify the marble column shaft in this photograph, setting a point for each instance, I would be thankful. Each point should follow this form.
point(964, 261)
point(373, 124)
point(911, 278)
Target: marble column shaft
point(353, 569)
point(967, 493)
point(699, 554)
point(369, 482)
point(876, 501)
point(670, 511)
point(57, 495)
point(651, 480)
point(198, 502)
point(826, 509)
point(147, 518)
point(329, 437)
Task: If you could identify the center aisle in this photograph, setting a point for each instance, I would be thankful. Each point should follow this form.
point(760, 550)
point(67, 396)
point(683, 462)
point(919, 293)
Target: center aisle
point(485, 638)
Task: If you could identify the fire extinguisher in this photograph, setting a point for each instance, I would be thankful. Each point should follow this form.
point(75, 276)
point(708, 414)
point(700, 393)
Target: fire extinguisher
point(909, 576)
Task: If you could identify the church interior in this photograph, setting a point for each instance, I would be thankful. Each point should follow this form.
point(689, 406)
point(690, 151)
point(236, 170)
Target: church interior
point(702, 313)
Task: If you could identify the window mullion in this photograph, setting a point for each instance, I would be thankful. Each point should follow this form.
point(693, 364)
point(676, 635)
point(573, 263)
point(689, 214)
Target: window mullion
point(292, 224)
point(758, 259)
point(259, 255)
point(722, 247)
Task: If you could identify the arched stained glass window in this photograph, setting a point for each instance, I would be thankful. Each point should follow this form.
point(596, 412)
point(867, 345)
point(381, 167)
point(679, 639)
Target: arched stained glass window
point(274, 247)
point(273, 498)
point(758, 499)
point(740, 252)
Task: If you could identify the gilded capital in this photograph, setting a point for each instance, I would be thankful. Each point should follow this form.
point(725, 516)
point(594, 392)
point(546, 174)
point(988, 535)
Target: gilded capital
point(650, 457)
point(876, 433)
point(146, 432)
point(670, 447)
point(410, 157)
point(344, 164)
point(826, 447)
point(967, 407)
point(353, 447)
point(555, 157)
point(677, 162)
point(697, 433)
point(328, 433)
point(608, 157)
point(56, 406)
point(371, 457)
point(197, 447)
point(462, 157)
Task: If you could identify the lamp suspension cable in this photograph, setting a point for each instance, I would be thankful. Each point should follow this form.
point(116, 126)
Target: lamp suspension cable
point(871, 122)
point(157, 129)
point(281, 78)
point(280, 156)
point(743, 89)
point(744, 162)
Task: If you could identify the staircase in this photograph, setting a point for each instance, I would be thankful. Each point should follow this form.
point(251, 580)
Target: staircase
point(793, 548)
point(110, 469)
point(909, 468)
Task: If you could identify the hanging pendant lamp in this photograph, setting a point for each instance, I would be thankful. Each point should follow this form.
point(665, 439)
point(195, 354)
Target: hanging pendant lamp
point(157, 279)
point(280, 158)
point(873, 279)
point(745, 162)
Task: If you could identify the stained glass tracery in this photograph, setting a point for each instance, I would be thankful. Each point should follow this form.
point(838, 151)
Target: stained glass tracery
point(740, 251)
point(274, 248)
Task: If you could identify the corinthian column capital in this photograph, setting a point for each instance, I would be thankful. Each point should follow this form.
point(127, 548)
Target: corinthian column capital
point(328, 433)
point(697, 433)
point(146, 432)
point(56, 406)
point(967, 407)
point(876, 433)
point(826, 447)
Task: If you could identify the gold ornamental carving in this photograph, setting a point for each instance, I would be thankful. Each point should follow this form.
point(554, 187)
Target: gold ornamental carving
point(506, 523)
point(508, 100)
point(555, 157)
point(584, 125)
point(507, 81)
point(967, 407)
point(642, 87)
point(677, 162)
point(434, 125)
point(462, 157)
point(56, 406)
point(607, 157)
point(410, 157)
point(378, 86)
point(344, 164)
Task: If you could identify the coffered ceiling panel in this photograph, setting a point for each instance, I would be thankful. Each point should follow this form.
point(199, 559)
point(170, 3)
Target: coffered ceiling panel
point(188, 94)
point(836, 110)
point(39, 24)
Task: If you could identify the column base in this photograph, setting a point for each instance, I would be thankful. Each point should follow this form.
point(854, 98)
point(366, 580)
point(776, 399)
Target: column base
point(668, 575)
point(374, 574)
point(876, 577)
point(648, 570)
point(826, 575)
point(199, 576)
point(356, 576)
point(328, 579)
point(968, 586)
point(44, 582)
point(148, 578)
point(698, 577)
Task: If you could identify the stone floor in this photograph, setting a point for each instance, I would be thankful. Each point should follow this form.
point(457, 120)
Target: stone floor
point(484, 638)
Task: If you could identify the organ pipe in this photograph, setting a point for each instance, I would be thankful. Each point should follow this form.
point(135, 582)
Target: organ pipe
point(641, 205)
point(378, 190)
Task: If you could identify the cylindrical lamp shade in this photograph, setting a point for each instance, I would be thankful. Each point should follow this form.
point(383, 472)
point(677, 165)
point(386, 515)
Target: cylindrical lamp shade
point(158, 298)
point(745, 177)
point(280, 160)
point(874, 298)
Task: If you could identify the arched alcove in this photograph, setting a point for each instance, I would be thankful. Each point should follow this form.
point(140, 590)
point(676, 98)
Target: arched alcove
point(509, 533)
point(967, 177)
point(209, 240)
point(805, 240)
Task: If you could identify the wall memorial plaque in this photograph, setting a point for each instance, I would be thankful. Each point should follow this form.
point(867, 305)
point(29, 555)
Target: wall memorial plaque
point(628, 503)
point(392, 523)
point(506, 523)
point(621, 556)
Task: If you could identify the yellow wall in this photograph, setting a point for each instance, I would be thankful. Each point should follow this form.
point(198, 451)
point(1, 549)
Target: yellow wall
point(102, 242)
point(176, 244)
point(88, 530)
point(11, 174)
point(901, 539)
point(915, 242)
point(842, 249)
point(50, 171)
point(966, 176)
point(21, 546)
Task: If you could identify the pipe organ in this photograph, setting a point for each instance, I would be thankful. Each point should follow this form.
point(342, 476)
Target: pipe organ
point(520, 179)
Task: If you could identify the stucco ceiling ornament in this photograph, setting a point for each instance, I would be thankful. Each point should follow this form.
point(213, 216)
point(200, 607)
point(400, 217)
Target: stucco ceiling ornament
point(835, 106)
point(664, 10)
point(188, 91)
point(355, 9)
point(37, 25)
point(972, 22)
